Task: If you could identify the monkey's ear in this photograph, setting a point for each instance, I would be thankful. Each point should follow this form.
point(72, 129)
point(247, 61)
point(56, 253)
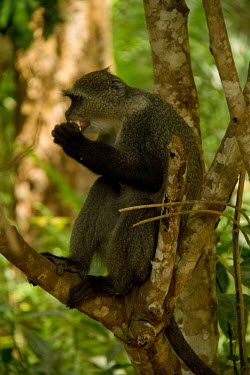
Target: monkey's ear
point(108, 69)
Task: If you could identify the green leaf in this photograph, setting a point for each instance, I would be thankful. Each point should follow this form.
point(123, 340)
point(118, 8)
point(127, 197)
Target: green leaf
point(227, 315)
point(115, 349)
point(245, 272)
point(39, 346)
point(5, 13)
point(6, 354)
point(222, 279)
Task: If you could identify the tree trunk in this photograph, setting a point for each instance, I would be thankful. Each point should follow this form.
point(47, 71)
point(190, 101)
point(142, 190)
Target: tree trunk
point(196, 318)
point(78, 45)
point(167, 25)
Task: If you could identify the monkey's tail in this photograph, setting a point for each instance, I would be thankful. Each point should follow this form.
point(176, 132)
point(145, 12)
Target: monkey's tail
point(184, 350)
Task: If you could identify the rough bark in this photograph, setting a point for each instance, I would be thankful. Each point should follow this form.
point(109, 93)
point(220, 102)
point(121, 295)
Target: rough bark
point(167, 26)
point(173, 77)
point(196, 312)
point(81, 43)
point(221, 50)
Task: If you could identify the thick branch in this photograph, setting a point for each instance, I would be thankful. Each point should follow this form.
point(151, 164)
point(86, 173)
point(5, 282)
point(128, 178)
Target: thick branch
point(163, 264)
point(173, 77)
point(218, 185)
point(43, 273)
point(221, 50)
point(156, 360)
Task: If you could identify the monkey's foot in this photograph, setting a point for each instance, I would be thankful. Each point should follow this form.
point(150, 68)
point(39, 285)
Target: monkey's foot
point(90, 287)
point(63, 264)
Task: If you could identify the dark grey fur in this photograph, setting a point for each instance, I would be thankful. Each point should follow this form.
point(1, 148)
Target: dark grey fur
point(131, 155)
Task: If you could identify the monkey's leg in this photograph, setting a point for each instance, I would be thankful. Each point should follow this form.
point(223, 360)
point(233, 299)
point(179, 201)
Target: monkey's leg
point(92, 227)
point(127, 256)
point(83, 242)
point(133, 248)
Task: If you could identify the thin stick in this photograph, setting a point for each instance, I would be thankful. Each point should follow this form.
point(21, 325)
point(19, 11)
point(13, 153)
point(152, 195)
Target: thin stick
point(213, 212)
point(238, 281)
point(187, 202)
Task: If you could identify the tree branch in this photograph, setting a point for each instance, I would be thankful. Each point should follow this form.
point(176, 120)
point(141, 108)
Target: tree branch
point(221, 50)
point(173, 76)
point(43, 273)
point(217, 186)
point(164, 260)
point(238, 281)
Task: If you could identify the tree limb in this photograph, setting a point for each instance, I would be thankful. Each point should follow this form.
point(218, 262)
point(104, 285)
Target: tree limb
point(221, 50)
point(218, 185)
point(43, 273)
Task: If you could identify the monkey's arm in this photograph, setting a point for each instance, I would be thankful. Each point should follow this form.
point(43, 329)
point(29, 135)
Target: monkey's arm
point(106, 160)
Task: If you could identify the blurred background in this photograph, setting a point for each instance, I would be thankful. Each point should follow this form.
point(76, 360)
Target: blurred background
point(44, 47)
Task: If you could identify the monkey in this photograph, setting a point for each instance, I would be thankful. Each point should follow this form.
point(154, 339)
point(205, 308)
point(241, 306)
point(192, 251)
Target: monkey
point(130, 155)
point(134, 129)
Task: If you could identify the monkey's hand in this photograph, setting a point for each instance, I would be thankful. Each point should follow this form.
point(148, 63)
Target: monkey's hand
point(64, 264)
point(69, 136)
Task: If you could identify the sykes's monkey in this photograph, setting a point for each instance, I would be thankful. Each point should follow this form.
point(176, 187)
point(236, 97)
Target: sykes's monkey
point(131, 155)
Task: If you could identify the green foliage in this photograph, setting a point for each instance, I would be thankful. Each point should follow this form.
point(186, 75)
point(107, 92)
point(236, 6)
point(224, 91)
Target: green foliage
point(65, 194)
point(227, 313)
point(131, 45)
point(15, 16)
point(7, 134)
point(228, 345)
point(51, 15)
point(245, 272)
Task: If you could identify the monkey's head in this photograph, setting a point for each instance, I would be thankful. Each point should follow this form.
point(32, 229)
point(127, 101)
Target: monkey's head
point(97, 97)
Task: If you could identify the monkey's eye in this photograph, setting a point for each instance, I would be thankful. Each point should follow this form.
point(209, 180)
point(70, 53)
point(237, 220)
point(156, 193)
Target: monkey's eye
point(74, 98)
